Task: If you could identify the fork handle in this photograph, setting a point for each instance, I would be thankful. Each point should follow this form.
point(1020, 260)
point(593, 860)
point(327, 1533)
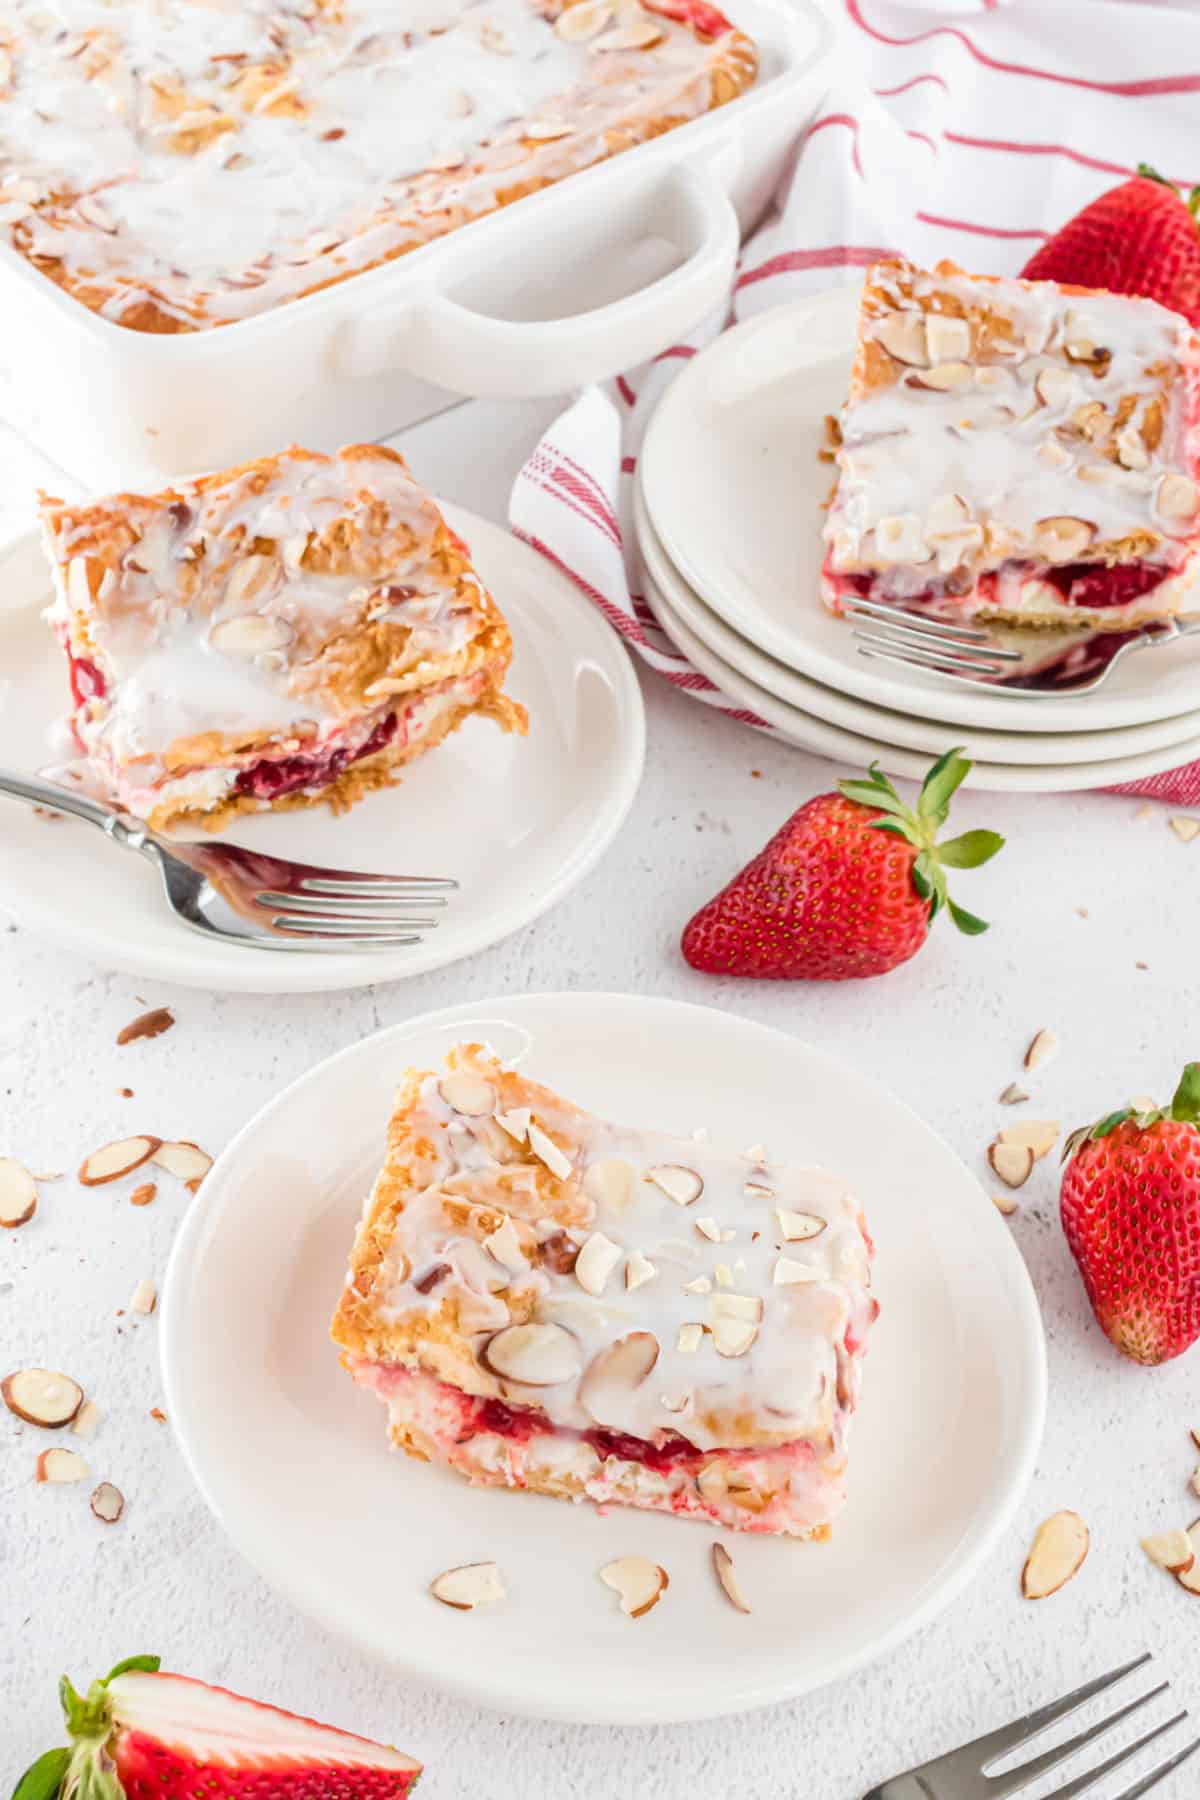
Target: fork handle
point(47, 793)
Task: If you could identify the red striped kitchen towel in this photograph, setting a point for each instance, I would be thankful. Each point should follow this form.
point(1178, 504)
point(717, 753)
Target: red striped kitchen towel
point(965, 128)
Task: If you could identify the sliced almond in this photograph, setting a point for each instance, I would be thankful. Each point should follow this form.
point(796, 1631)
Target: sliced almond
point(143, 1195)
point(18, 1193)
point(1004, 1203)
point(1184, 828)
point(733, 1337)
point(61, 1465)
point(738, 1306)
point(944, 377)
point(150, 1024)
point(1194, 1433)
point(723, 1275)
point(700, 1284)
point(447, 160)
point(681, 1185)
point(610, 1183)
point(1178, 497)
point(575, 24)
point(107, 1502)
point(1059, 1548)
point(250, 577)
point(1189, 1578)
point(796, 1227)
point(471, 1585)
point(548, 1152)
point(628, 37)
point(1171, 1550)
point(616, 1372)
point(1062, 538)
point(545, 131)
point(1195, 1481)
point(250, 634)
point(1013, 1163)
point(789, 1273)
point(596, 1261)
point(949, 340)
point(755, 1190)
point(42, 1397)
point(900, 538)
point(86, 1420)
point(505, 1246)
point(1056, 386)
point(539, 1354)
point(516, 1122)
point(902, 335)
point(1039, 1135)
point(1013, 1095)
point(638, 1271)
point(119, 1158)
point(144, 1298)
point(468, 1094)
point(724, 1571)
point(183, 1159)
point(688, 1339)
point(639, 1582)
point(1042, 1047)
point(708, 1228)
point(675, 1403)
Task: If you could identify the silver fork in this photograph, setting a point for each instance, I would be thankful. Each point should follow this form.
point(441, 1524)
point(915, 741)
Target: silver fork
point(245, 897)
point(1008, 660)
point(963, 1774)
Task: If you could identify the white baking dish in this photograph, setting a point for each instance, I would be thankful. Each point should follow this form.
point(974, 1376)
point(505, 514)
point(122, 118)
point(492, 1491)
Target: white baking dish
point(566, 286)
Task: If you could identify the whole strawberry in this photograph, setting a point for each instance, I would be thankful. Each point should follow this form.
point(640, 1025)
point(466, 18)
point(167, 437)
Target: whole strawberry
point(848, 887)
point(142, 1734)
point(1139, 238)
point(1131, 1212)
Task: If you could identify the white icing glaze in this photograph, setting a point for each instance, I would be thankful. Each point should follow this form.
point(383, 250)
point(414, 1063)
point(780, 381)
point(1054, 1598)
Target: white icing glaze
point(796, 1380)
point(151, 626)
point(932, 480)
point(235, 153)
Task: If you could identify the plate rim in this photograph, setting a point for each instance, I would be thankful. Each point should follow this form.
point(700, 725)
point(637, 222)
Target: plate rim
point(856, 751)
point(693, 609)
point(508, 1695)
point(701, 372)
point(273, 972)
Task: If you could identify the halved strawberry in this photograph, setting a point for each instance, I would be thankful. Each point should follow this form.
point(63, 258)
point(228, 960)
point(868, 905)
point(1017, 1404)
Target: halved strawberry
point(140, 1734)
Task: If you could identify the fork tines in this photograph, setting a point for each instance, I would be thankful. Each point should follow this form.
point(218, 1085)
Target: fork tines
point(1003, 1742)
point(362, 907)
point(893, 635)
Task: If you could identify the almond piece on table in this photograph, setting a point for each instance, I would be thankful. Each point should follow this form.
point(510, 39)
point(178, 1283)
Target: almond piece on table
point(183, 1159)
point(150, 1024)
point(465, 1588)
point(639, 1582)
point(107, 1502)
point(42, 1397)
point(119, 1158)
point(18, 1193)
point(1060, 1545)
point(61, 1465)
point(1013, 1163)
point(1004, 1203)
point(1171, 1550)
point(724, 1570)
point(1040, 1135)
point(145, 1298)
point(1189, 1578)
point(86, 1420)
point(143, 1195)
point(1013, 1095)
point(1042, 1047)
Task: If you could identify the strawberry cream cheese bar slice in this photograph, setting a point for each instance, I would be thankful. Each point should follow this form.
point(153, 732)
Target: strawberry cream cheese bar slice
point(1016, 450)
point(549, 1302)
point(283, 633)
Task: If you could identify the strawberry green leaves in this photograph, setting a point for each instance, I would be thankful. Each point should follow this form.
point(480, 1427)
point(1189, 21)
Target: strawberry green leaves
point(1184, 1109)
point(920, 828)
point(1186, 1103)
point(147, 1665)
point(43, 1779)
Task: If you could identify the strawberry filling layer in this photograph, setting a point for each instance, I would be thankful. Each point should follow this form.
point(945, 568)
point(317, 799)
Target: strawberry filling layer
point(1092, 585)
point(87, 683)
point(520, 1423)
point(269, 779)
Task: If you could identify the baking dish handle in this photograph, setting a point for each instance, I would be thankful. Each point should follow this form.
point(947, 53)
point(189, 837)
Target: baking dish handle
point(469, 352)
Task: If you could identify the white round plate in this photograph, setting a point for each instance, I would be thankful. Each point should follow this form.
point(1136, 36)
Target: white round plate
point(293, 1460)
point(1041, 748)
point(517, 821)
point(813, 733)
point(734, 488)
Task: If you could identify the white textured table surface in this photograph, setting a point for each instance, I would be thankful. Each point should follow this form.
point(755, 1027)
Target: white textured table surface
point(946, 1032)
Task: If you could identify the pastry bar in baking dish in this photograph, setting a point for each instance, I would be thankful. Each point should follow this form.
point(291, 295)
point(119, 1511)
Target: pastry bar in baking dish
point(549, 1302)
point(1016, 450)
point(283, 633)
point(183, 164)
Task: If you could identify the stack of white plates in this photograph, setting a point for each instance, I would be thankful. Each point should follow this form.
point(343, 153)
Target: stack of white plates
point(728, 514)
